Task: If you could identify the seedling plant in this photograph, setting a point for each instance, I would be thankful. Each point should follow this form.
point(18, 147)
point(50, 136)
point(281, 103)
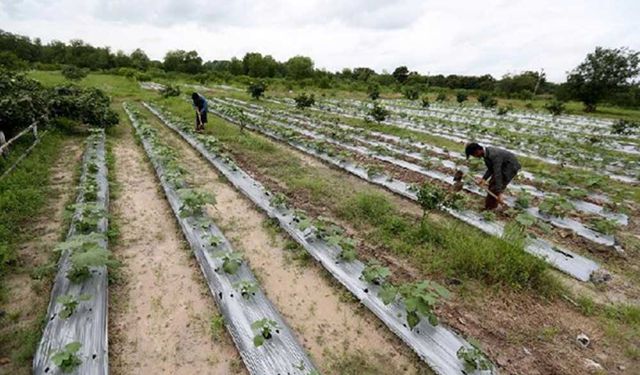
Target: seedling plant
point(264, 329)
point(67, 358)
point(70, 303)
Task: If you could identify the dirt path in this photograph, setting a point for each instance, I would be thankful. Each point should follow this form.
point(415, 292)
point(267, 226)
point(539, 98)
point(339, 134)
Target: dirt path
point(27, 287)
point(160, 318)
point(337, 332)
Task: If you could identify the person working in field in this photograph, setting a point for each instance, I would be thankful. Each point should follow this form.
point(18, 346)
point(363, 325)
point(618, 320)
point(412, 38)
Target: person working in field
point(200, 105)
point(502, 167)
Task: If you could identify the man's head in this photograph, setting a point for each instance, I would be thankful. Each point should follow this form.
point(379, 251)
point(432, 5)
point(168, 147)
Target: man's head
point(474, 149)
point(194, 96)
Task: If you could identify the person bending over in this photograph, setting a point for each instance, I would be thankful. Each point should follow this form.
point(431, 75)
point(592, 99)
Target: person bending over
point(200, 105)
point(502, 167)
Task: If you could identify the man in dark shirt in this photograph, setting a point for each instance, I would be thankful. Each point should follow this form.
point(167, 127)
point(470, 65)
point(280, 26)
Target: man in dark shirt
point(200, 105)
point(502, 167)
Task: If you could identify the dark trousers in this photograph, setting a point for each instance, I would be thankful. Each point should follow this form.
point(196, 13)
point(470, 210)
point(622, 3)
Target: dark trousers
point(491, 203)
point(201, 120)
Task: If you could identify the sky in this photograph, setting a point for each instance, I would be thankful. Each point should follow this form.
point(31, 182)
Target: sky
point(432, 37)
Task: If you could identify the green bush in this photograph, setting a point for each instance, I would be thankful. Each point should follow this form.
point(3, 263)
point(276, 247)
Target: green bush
point(73, 73)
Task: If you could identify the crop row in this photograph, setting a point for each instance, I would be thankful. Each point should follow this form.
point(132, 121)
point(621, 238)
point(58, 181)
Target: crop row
point(265, 342)
point(407, 309)
point(546, 149)
point(75, 334)
point(395, 156)
point(565, 260)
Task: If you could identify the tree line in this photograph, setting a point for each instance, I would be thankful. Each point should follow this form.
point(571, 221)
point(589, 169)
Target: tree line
point(606, 75)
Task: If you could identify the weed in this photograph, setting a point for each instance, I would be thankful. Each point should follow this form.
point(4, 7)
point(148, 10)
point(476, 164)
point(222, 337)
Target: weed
point(216, 325)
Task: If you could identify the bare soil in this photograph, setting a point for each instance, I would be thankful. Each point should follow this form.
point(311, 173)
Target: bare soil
point(160, 315)
point(319, 311)
point(27, 296)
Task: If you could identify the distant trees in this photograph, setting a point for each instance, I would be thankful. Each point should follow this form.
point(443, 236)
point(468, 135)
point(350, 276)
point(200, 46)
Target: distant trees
point(401, 74)
point(299, 67)
point(182, 61)
point(555, 107)
point(304, 101)
point(461, 97)
point(603, 72)
point(373, 91)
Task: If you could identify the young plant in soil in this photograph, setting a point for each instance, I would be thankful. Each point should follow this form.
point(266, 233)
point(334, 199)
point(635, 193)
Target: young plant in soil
point(556, 205)
point(279, 201)
point(374, 171)
point(264, 329)
point(193, 200)
point(488, 216)
point(86, 253)
point(473, 358)
point(419, 299)
point(67, 358)
point(212, 240)
point(90, 215)
point(70, 303)
point(525, 219)
point(231, 262)
point(375, 273)
point(430, 197)
point(603, 225)
point(347, 247)
point(523, 200)
point(247, 289)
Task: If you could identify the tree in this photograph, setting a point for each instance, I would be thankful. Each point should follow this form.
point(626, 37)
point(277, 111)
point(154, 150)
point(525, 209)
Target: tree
point(256, 65)
point(401, 74)
point(603, 72)
point(73, 73)
point(299, 67)
point(374, 91)
point(139, 59)
point(378, 113)
point(9, 61)
point(256, 89)
point(182, 61)
point(304, 101)
point(411, 93)
point(461, 97)
point(555, 107)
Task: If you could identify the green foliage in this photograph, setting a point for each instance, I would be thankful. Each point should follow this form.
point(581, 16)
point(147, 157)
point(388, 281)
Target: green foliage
point(625, 127)
point(555, 107)
point(523, 200)
point(425, 102)
point(603, 72)
point(89, 106)
point(473, 358)
point(401, 74)
point(90, 215)
point(411, 93)
point(525, 219)
point(170, 91)
point(347, 246)
point(299, 67)
point(279, 200)
point(487, 101)
point(374, 171)
point(67, 358)
point(556, 205)
point(86, 253)
point(503, 110)
point(73, 73)
point(69, 303)
point(304, 101)
point(419, 298)
point(488, 216)
point(442, 97)
point(213, 240)
point(193, 201)
point(373, 92)
point(378, 113)
point(461, 97)
point(603, 225)
point(375, 273)
point(182, 61)
point(264, 329)
point(231, 262)
point(257, 89)
point(246, 288)
point(22, 101)
point(430, 197)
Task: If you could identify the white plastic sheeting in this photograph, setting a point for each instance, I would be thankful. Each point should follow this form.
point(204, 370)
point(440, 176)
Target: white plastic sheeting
point(88, 324)
point(282, 354)
point(436, 345)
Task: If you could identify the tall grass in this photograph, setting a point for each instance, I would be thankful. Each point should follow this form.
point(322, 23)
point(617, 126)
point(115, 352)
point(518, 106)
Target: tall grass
point(449, 248)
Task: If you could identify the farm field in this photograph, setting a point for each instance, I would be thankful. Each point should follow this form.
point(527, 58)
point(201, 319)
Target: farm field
point(319, 239)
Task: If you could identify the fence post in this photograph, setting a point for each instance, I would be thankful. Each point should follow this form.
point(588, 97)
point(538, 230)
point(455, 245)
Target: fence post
point(3, 140)
point(35, 130)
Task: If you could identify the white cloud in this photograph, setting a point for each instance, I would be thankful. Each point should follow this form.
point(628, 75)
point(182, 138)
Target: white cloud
point(465, 37)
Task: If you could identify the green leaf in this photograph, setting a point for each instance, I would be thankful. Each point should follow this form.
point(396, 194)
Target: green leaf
point(388, 293)
point(412, 319)
point(258, 340)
